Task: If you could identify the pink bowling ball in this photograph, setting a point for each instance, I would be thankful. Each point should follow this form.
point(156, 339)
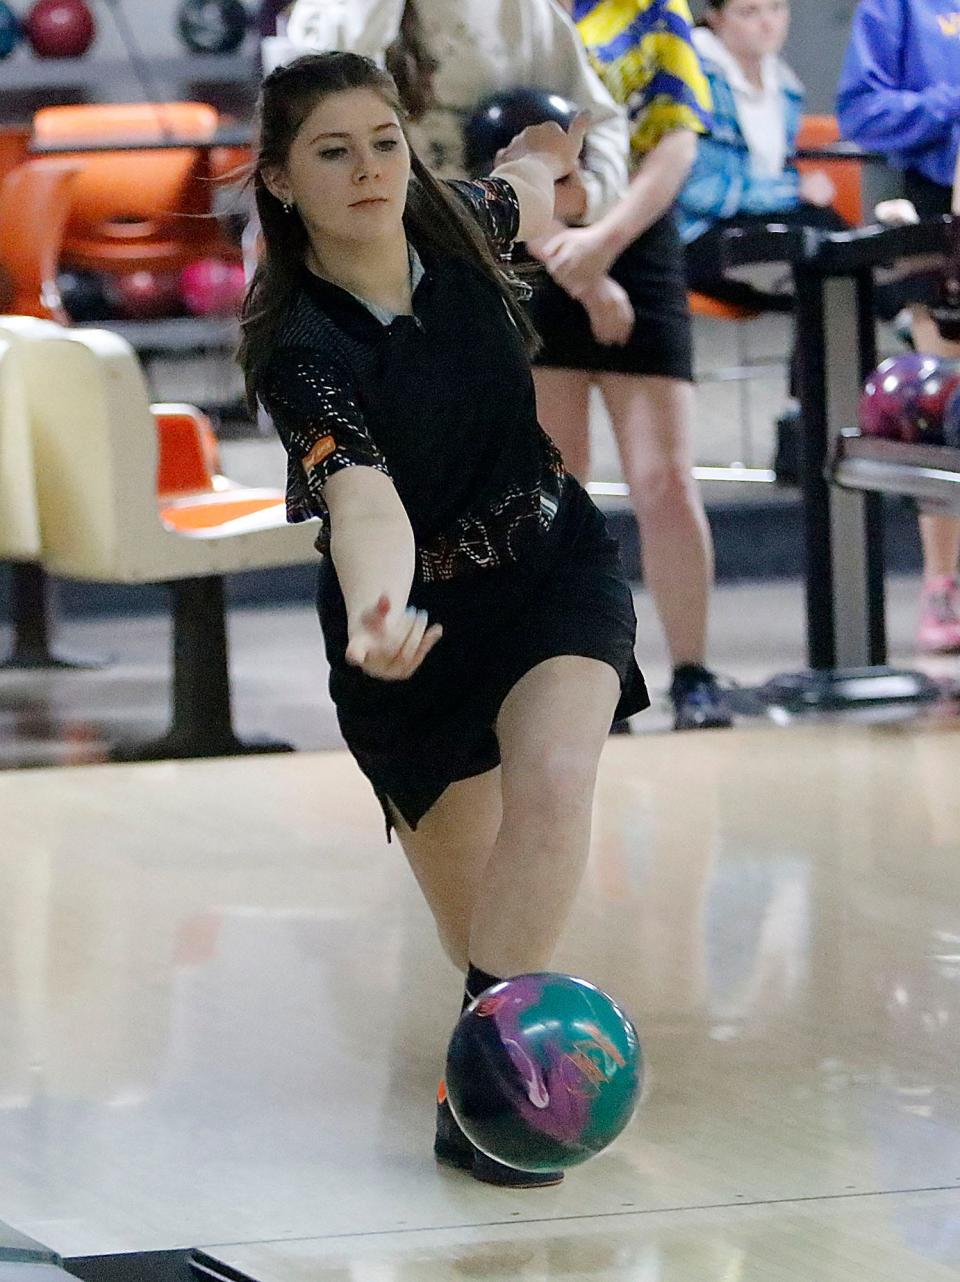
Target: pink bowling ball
point(212, 287)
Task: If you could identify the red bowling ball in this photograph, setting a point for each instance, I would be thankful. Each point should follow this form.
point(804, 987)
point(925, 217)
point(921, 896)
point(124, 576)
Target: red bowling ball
point(147, 295)
point(212, 287)
point(905, 398)
point(60, 28)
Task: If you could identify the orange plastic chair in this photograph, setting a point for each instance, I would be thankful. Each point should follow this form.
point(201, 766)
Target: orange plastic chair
point(144, 210)
point(847, 175)
point(34, 208)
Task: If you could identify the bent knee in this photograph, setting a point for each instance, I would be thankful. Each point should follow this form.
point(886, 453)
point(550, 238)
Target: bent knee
point(556, 787)
point(666, 486)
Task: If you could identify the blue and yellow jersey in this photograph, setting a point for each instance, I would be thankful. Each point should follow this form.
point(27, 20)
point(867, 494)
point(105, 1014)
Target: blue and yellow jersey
point(643, 52)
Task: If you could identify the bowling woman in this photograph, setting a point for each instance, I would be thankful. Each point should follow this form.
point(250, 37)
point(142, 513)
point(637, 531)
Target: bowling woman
point(478, 628)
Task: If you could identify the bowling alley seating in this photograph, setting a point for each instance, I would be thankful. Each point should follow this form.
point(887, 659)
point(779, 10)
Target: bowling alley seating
point(131, 494)
point(19, 517)
point(137, 210)
point(34, 207)
point(846, 175)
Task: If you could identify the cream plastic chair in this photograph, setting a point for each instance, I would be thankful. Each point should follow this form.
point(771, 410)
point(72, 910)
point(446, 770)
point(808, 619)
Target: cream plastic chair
point(30, 607)
point(96, 444)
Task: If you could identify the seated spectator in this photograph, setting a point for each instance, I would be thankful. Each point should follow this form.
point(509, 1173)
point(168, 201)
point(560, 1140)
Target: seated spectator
point(743, 174)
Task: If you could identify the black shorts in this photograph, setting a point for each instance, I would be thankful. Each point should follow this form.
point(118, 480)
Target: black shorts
point(652, 273)
point(414, 738)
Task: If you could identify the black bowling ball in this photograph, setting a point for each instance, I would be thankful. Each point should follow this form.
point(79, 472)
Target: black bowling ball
point(499, 118)
point(212, 26)
point(85, 296)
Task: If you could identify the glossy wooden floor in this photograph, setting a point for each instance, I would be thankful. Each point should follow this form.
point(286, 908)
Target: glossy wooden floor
point(222, 1017)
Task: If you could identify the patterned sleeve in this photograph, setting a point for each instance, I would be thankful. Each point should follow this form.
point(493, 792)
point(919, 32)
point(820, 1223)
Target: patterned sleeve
point(494, 204)
point(315, 410)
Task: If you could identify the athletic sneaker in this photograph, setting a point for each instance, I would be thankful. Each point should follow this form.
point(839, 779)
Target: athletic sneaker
point(939, 630)
point(452, 1148)
point(698, 702)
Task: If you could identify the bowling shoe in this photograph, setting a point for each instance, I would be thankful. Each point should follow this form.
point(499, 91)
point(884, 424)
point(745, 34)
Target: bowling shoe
point(452, 1148)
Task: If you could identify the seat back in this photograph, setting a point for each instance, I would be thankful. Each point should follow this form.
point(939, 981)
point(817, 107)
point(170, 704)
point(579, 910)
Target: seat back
point(132, 210)
point(846, 175)
point(95, 122)
point(19, 516)
point(34, 207)
point(95, 446)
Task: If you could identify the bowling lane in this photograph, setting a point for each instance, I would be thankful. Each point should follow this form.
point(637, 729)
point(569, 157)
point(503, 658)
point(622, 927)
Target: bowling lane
point(889, 1238)
point(223, 1010)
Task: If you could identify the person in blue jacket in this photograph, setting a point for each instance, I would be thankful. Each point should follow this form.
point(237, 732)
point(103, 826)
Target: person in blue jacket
point(899, 94)
point(744, 174)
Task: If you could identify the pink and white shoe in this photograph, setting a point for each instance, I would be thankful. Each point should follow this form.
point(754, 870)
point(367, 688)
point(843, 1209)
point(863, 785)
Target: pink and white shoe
point(939, 630)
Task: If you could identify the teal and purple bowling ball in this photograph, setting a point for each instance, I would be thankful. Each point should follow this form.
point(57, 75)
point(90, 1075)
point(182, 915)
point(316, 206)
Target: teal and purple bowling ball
point(905, 398)
point(543, 1071)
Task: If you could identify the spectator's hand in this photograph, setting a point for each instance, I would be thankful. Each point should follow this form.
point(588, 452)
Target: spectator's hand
point(570, 198)
point(816, 188)
point(896, 213)
point(576, 258)
point(610, 312)
point(391, 644)
point(558, 149)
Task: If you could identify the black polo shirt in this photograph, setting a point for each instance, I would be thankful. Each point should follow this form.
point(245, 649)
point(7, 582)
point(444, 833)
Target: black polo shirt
point(441, 401)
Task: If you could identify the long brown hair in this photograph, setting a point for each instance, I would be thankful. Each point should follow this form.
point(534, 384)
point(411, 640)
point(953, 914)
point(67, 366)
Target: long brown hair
point(412, 65)
point(433, 217)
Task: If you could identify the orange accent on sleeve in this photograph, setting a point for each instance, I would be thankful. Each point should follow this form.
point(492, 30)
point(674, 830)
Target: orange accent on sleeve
point(323, 449)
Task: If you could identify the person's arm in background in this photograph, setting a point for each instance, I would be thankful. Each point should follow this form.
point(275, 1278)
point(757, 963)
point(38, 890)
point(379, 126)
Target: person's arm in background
point(366, 27)
point(678, 110)
point(558, 59)
point(872, 107)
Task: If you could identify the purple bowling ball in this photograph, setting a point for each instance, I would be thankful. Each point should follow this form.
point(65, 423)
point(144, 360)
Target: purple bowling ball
point(905, 397)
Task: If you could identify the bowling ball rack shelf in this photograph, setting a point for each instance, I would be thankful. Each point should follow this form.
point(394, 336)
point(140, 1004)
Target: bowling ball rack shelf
point(842, 478)
point(928, 473)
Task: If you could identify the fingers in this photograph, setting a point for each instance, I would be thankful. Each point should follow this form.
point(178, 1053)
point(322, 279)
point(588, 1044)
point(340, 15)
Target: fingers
point(374, 618)
point(394, 653)
point(578, 130)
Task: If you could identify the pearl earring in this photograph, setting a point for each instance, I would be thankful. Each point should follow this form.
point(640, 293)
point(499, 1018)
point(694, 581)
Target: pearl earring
point(287, 207)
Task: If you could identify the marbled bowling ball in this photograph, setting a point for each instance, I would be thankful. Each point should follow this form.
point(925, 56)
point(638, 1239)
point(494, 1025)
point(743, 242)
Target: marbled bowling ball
point(905, 398)
point(543, 1071)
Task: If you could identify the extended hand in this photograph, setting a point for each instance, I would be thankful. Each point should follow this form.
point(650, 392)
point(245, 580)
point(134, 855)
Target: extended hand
point(391, 645)
point(576, 258)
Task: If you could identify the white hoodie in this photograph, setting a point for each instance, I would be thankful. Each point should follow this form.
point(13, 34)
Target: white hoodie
point(482, 46)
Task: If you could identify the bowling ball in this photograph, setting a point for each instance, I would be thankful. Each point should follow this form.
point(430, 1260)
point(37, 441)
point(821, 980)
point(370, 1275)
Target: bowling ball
point(10, 31)
point(212, 287)
point(85, 296)
point(499, 118)
point(60, 28)
point(543, 1071)
point(146, 295)
point(905, 397)
point(212, 26)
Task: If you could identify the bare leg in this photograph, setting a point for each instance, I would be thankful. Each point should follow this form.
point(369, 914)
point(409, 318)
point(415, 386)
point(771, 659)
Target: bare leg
point(552, 728)
point(449, 852)
point(500, 881)
point(651, 418)
point(563, 407)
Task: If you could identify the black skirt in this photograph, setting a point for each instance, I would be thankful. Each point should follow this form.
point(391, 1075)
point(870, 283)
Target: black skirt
point(652, 273)
point(567, 597)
